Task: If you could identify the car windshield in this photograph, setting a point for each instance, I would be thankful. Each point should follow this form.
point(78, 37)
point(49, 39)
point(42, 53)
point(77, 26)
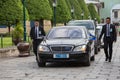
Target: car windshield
point(88, 25)
point(66, 33)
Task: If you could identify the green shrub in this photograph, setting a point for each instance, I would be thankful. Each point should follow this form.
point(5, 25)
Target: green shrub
point(93, 12)
point(18, 31)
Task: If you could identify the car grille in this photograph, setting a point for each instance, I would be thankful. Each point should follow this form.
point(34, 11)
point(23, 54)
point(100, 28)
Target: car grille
point(61, 48)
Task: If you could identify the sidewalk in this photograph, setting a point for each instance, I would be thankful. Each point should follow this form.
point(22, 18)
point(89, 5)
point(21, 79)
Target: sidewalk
point(8, 52)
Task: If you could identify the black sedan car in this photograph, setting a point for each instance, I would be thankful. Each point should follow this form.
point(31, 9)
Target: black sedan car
point(66, 44)
point(90, 25)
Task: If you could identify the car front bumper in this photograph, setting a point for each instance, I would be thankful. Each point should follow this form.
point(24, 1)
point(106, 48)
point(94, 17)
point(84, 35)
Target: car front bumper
point(47, 57)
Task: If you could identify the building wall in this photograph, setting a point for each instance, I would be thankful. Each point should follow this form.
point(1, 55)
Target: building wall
point(117, 18)
point(118, 14)
point(47, 27)
point(108, 4)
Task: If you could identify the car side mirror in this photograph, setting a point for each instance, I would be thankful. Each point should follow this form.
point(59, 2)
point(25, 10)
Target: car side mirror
point(92, 37)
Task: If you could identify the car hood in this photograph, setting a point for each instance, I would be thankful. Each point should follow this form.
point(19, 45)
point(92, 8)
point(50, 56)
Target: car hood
point(64, 42)
point(92, 32)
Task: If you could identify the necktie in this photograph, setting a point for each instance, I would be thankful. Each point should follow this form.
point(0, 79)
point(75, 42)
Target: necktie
point(36, 33)
point(108, 30)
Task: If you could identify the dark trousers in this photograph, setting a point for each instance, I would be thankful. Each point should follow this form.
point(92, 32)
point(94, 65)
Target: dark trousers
point(36, 43)
point(108, 44)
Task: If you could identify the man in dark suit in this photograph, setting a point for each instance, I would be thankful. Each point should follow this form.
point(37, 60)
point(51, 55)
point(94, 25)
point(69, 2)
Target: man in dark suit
point(37, 34)
point(109, 32)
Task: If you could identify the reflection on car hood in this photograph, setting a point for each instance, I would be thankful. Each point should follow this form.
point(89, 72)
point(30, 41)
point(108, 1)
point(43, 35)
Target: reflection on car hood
point(92, 32)
point(64, 41)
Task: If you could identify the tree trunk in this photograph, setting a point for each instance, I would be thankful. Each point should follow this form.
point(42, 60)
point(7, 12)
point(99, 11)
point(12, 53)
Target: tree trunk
point(65, 24)
point(9, 29)
point(51, 23)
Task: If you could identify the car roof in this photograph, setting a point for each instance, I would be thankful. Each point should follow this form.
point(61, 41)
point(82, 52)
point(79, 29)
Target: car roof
point(83, 20)
point(100, 24)
point(80, 27)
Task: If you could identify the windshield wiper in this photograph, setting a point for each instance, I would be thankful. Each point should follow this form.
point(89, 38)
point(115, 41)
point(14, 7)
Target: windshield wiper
point(61, 38)
point(76, 37)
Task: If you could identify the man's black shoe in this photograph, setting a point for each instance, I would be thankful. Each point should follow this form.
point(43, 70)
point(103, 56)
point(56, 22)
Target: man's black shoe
point(109, 60)
point(106, 59)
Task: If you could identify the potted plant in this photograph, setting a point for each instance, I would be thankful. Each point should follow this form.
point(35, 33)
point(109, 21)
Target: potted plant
point(23, 47)
point(17, 34)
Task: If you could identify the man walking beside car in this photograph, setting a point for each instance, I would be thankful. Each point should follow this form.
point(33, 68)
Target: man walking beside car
point(110, 36)
point(36, 33)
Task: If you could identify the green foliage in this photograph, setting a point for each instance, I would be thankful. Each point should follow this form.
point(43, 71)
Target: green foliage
point(69, 7)
point(77, 9)
point(39, 9)
point(18, 31)
point(7, 42)
point(84, 8)
point(62, 11)
point(10, 11)
point(93, 12)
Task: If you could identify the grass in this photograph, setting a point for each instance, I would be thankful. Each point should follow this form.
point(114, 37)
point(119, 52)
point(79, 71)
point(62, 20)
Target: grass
point(7, 42)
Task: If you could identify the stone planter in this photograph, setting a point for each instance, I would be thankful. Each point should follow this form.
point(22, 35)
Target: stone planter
point(16, 41)
point(24, 49)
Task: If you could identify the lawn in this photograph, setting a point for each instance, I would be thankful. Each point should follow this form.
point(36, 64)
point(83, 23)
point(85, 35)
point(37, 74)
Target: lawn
point(7, 41)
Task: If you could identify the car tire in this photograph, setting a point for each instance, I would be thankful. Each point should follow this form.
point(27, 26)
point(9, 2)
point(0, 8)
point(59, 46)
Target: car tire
point(102, 46)
point(93, 58)
point(99, 49)
point(40, 62)
point(96, 50)
point(88, 62)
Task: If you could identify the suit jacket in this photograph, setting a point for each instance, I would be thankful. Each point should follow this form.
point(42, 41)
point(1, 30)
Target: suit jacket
point(113, 34)
point(32, 32)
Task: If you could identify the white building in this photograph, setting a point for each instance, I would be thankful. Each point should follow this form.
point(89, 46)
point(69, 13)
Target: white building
point(115, 14)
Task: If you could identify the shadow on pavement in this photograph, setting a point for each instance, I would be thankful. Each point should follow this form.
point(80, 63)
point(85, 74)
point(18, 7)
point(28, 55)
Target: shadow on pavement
point(63, 64)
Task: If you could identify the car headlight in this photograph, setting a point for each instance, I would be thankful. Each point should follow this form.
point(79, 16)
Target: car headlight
point(42, 48)
point(81, 48)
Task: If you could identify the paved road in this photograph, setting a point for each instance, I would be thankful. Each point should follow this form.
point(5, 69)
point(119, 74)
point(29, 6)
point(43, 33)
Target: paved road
point(27, 69)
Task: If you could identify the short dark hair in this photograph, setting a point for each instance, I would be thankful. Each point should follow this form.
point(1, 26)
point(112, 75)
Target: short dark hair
point(37, 20)
point(108, 18)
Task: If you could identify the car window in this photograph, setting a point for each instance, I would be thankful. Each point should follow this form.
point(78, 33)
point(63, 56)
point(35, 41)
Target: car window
point(88, 25)
point(66, 33)
point(75, 33)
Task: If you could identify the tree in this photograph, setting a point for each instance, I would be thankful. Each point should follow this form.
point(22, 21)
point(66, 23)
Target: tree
point(77, 9)
point(39, 9)
point(11, 10)
point(84, 9)
point(62, 12)
point(70, 7)
point(93, 12)
point(63, 15)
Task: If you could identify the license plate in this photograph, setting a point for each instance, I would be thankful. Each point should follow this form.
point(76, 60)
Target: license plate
point(61, 56)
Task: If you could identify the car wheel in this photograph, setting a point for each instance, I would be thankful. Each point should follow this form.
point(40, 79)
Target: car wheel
point(93, 58)
point(88, 62)
point(40, 62)
point(96, 50)
point(99, 49)
point(102, 46)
